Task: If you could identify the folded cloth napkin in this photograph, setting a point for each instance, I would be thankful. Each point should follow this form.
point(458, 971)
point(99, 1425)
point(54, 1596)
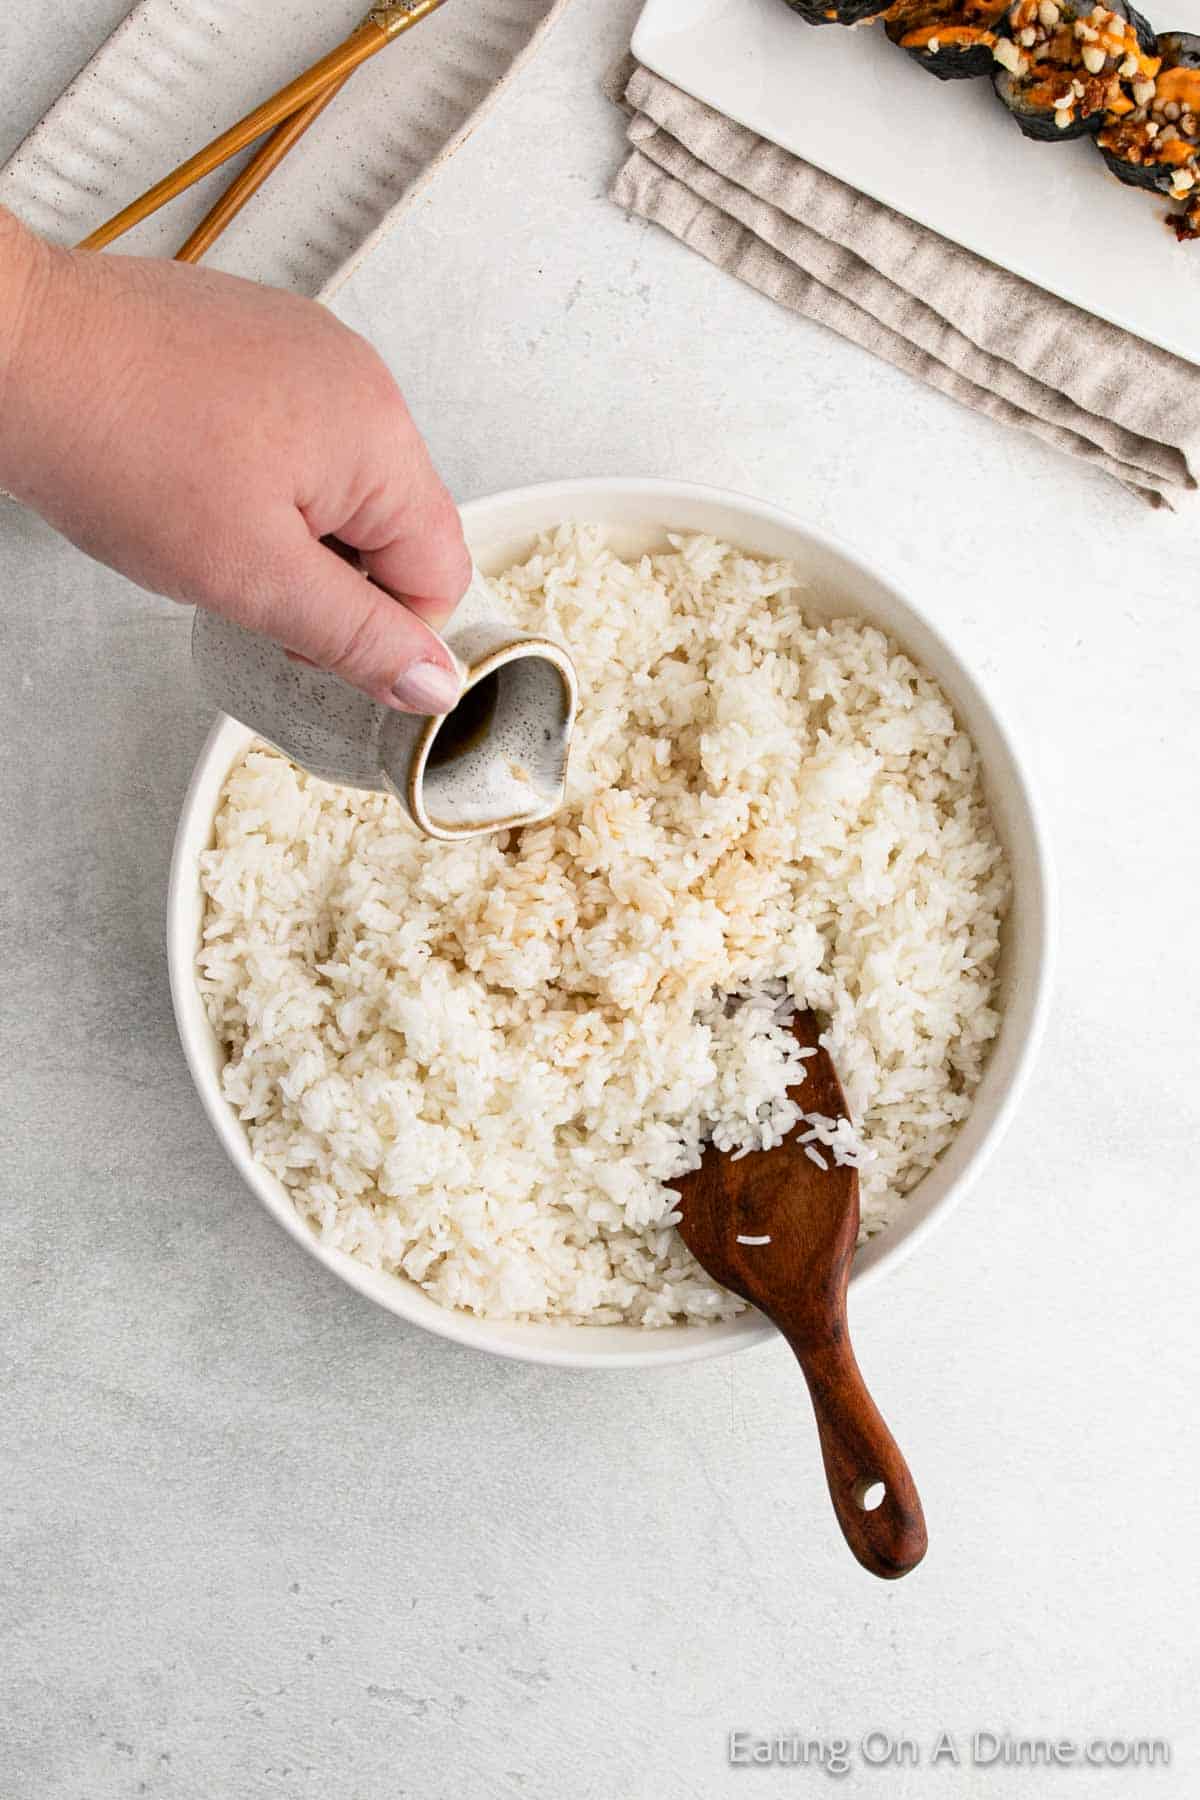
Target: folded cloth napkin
point(995, 342)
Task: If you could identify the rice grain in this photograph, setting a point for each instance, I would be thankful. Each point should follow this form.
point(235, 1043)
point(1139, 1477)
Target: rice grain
point(479, 1064)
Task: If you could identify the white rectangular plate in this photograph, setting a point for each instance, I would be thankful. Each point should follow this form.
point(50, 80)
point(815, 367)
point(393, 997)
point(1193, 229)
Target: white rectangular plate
point(946, 154)
point(173, 75)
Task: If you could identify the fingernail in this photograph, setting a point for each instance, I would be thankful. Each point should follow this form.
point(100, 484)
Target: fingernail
point(428, 687)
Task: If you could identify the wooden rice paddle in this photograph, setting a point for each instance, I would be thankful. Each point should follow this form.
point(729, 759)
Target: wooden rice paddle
point(798, 1280)
point(383, 24)
point(265, 159)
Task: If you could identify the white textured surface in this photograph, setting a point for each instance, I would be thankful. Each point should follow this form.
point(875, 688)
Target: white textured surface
point(172, 77)
point(943, 152)
point(261, 1540)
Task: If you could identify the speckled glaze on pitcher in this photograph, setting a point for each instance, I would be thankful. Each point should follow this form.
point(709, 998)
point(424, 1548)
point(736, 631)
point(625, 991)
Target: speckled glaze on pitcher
point(498, 760)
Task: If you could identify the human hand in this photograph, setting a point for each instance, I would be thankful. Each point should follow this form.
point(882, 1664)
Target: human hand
point(203, 434)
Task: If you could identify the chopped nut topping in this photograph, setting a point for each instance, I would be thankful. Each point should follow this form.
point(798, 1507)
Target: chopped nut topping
point(1008, 56)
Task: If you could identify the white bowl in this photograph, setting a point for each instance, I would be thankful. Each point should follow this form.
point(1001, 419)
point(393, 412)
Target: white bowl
point(636, 514)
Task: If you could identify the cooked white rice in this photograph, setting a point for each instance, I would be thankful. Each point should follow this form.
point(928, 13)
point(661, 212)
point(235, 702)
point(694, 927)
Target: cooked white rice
point(480, 1063)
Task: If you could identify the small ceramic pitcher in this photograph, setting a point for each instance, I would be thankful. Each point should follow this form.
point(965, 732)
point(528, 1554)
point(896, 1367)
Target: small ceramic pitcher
point(499, 759)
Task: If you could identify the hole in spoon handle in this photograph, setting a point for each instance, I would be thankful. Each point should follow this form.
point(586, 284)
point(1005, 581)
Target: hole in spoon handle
point(873, 1493)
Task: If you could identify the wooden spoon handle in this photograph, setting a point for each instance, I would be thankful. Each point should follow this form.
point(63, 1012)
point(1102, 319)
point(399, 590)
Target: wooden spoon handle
point(860, 1453)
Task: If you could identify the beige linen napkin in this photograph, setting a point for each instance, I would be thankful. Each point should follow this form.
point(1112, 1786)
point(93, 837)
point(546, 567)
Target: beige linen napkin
point(993, 341)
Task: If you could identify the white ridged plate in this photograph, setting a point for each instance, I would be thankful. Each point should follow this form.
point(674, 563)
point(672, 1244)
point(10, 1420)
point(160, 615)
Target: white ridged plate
point(177, 72)
point(943, 153)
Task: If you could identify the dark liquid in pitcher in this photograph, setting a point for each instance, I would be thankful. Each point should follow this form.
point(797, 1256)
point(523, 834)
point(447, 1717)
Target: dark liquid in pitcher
point(467, 725)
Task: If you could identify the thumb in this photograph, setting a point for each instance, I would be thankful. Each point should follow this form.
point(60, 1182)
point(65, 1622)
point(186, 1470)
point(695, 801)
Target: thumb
point(327, 612)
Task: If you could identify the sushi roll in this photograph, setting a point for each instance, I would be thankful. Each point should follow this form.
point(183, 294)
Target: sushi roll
point(952, 39)
point(1186, 223)
point(1151, 138)
point(1061, 67)
point(837, 12)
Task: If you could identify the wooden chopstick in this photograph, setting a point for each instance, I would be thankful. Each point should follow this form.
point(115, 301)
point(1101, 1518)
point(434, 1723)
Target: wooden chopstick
point(384, 24)
point(247, 184)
